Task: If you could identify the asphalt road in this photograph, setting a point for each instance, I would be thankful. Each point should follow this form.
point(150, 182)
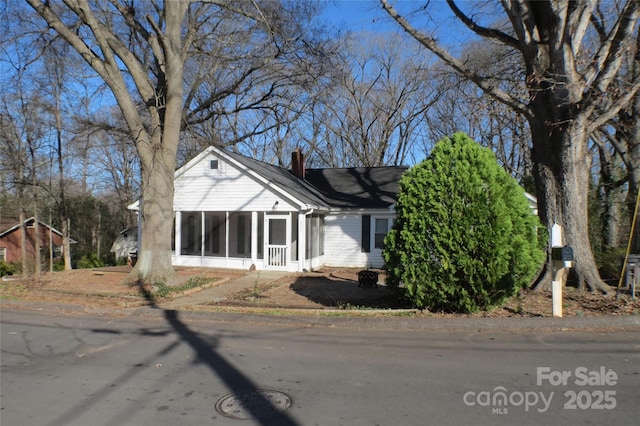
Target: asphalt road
point(175, 369)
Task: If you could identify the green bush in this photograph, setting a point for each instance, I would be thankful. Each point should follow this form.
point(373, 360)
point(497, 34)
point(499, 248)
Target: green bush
point(464, 238)
point(90, 261)
point(7, 269)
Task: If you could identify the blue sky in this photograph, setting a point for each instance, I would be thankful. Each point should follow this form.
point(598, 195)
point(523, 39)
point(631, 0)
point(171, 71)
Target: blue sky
point(357, 15)
point(368, 16)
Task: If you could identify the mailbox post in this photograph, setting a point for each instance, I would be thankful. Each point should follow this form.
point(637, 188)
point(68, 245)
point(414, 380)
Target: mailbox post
point(561, 258)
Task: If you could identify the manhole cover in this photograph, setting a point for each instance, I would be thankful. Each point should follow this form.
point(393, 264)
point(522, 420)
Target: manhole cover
point(260, 403)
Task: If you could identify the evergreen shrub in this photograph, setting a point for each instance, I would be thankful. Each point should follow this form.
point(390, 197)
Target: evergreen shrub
point(90, 260)
point(465, 238)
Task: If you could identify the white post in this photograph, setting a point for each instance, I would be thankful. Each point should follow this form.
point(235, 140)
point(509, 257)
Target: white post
point(558, 272)
point(177, 238)
point(302, 242)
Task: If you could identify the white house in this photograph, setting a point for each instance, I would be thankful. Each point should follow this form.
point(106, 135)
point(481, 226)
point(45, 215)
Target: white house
point(235, 212)
point(232, 211)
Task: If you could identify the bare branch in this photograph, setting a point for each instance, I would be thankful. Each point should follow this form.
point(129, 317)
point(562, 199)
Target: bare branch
point(430, 43)
point(480, 30)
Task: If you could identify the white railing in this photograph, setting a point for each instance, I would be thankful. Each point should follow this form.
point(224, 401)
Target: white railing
point(277, 256)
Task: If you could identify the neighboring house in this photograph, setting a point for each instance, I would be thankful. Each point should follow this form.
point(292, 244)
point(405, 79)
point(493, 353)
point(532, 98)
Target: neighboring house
point(235, 212)
point(126, 244)
point(10, 240)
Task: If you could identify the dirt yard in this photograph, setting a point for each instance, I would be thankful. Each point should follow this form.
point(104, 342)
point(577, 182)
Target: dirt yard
point(331, 289)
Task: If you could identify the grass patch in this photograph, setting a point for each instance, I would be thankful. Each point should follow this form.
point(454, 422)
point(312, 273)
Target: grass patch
point(163, 291)
point(11, 290)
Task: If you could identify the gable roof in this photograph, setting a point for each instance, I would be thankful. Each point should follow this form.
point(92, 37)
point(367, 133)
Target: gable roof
point(283, 178)
point(358, 187)
point(330, 188)
point(14, 224)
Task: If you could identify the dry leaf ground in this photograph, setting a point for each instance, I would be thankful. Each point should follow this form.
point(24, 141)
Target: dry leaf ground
point(329, 289)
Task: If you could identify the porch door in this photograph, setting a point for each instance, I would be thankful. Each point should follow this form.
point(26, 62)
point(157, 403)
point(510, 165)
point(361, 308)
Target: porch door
point(276, 242)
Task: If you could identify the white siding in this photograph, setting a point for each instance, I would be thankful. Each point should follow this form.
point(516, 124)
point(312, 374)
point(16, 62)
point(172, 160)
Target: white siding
point(226, 188)
point(343, 242)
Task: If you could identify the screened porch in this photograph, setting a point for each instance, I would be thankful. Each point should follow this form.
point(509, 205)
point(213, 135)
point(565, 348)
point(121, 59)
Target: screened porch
point(291, 241)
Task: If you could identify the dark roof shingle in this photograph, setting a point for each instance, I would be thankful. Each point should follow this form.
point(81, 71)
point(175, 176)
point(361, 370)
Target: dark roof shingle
point(345, 188)
point(358, 187)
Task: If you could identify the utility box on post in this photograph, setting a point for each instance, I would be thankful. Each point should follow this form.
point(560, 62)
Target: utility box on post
point(563, 254)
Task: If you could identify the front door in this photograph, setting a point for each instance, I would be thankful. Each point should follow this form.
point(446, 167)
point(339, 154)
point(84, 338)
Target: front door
point(277, 236)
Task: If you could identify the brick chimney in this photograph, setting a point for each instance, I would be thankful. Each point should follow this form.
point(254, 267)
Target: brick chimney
point(297, 163)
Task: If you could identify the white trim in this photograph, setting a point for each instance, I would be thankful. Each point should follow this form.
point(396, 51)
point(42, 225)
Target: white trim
point(287, 246)
point(302, 240)
point(261, 179)
point(178, 234)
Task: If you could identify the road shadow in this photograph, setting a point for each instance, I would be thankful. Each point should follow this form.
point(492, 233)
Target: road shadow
point(344, 293)
point(261, 409)
point(254, 402)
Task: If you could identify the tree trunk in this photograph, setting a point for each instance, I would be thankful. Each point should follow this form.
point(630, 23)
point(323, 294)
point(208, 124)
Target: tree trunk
point(562, 165)
point(23, 242)
point(158, 158)
point(37, 268)
point(66, 243)
point(156, 219)
point(633, 155)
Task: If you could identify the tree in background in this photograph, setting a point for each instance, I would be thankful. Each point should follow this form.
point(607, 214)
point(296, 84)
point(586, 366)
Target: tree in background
point(375, 111)
point(175, 65)
point(567, 72)
point(464, 108)
point(465, 237)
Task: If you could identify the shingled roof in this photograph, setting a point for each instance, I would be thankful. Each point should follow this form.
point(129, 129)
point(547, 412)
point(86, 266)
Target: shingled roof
point(299, 188)
point(343, 188)
point(358, 187)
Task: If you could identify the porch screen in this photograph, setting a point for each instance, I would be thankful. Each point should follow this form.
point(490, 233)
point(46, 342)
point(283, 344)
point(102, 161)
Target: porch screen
point(315, 236)
point(240, 234)
point(215, 234)
point(191, 231)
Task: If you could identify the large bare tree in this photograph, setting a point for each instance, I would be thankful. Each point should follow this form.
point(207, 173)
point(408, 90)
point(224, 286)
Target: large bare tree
point(462, 107)
point(567, 71)
point(159, 59)
point(374, 113)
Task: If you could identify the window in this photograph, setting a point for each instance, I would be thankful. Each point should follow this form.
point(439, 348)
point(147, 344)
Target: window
point(366, 234)
point(381, 230)
point(3, 254)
